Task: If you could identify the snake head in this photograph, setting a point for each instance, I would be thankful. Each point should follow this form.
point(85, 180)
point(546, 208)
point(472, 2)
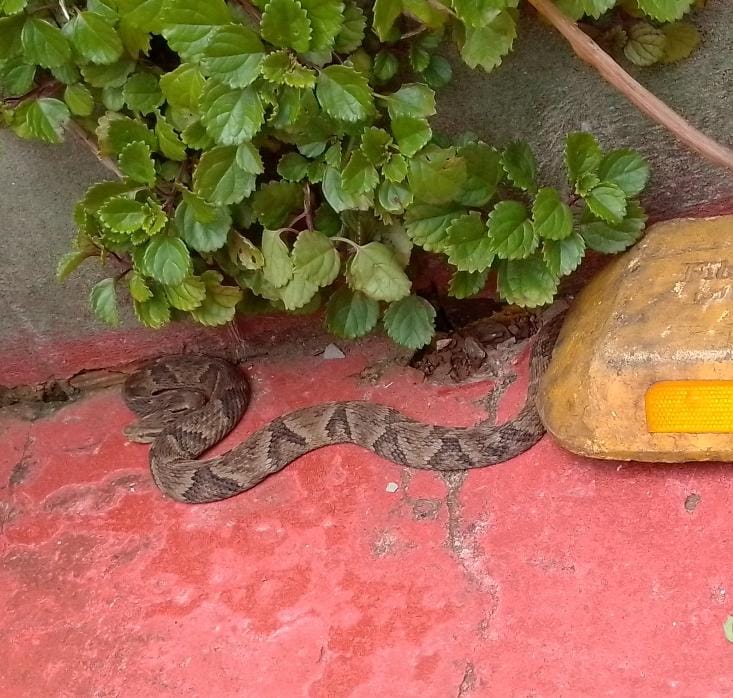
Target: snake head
point(143, 431)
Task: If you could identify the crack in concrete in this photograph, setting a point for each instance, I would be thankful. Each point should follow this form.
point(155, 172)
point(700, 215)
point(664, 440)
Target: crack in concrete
point(22, 468)
point(468, 683)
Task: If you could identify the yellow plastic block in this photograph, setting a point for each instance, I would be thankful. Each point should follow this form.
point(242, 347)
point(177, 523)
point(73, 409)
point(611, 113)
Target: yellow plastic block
point(690, 407)
point(643, 367)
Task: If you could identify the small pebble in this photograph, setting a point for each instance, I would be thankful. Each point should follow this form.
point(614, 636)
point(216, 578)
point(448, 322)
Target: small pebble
point(392, 487)
point(332, 352)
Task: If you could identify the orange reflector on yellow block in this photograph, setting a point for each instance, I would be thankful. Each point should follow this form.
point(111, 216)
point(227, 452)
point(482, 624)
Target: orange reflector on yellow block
point(690, 407)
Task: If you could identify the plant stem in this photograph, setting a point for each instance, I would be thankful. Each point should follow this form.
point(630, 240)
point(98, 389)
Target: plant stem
point(92, 144)
point(351, 243)
point(589, 51)
point(250, 9)
point(307, 206)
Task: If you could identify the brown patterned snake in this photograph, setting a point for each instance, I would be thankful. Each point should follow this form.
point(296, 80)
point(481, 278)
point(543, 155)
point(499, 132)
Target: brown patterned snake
point(189, 403)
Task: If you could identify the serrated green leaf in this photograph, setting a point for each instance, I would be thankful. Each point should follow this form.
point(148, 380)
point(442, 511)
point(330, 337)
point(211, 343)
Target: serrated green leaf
point(68, 74)
point(484, 172)
point(412, 135)
point(414, 100)
point(428, 225)
point(99, 194)
point(13, 7)
point(249, 159)
point(139, 289)
point(438, 73)
point(527, 283)
point(395, 236)
point(396, 169)
point(169, 142)
point(614, 237)
point(219, 179)
point(187, 295)
point(385, 14)
point(245, 253)
point(220, 303)
point(393, 197)
point(231, 116)
point(351, 314)
point(79, 100)
point(352, 32)
point(156, 219)
point(16, 77)
point(10, 37)
point(469, 246)
point(315, 257)
point(298, 292)
point(154, 312)
point(645, 45)
point(293, 167)
point(123, 215)
point(103, 301)
point(204, 235)
point(327, 20)
point(142, 93)
point(337, 197)
point(665, 10)
point(477, 13)
point(144, 15)
point(275, 202)
point(375, 144)
point(410, 322)
point(563, 256)
point(114, 75)
point(285, 24)
point(134, 40)
point(607, 201)
point(520, 165)
point(681, 40)
point(465, 284)
point(512, 233)
point(188, 25)
point(278, 269)
point(183, 86)
point(282, 68)
point(385, 67)
point(375, 271)
point(359, 175)
point(41, 119)
point(115, 132)
point(582, 155)
point(344, 93)
point(551, 217)
point(137, 163)
point(233, 55)
point(71, 261)
point(625, 168)
point(94, 38)
point(167, 260)
point(486, 45)
point(43, 43)
point(437, 175)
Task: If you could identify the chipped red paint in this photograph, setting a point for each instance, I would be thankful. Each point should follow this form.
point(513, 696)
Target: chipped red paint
point(549, 575)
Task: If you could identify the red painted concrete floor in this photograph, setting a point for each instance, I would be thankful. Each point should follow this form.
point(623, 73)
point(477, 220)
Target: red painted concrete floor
point(550, 575)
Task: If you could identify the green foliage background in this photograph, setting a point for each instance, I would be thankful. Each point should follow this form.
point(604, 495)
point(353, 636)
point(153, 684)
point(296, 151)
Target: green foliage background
point(279, 154)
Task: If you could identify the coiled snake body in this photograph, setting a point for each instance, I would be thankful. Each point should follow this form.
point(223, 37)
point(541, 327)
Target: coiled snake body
point(187, 404)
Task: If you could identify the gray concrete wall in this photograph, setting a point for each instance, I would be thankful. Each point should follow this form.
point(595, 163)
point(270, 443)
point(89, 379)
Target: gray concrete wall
point(540, 93)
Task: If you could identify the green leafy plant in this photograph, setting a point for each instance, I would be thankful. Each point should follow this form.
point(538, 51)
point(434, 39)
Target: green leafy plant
point(278, 155)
